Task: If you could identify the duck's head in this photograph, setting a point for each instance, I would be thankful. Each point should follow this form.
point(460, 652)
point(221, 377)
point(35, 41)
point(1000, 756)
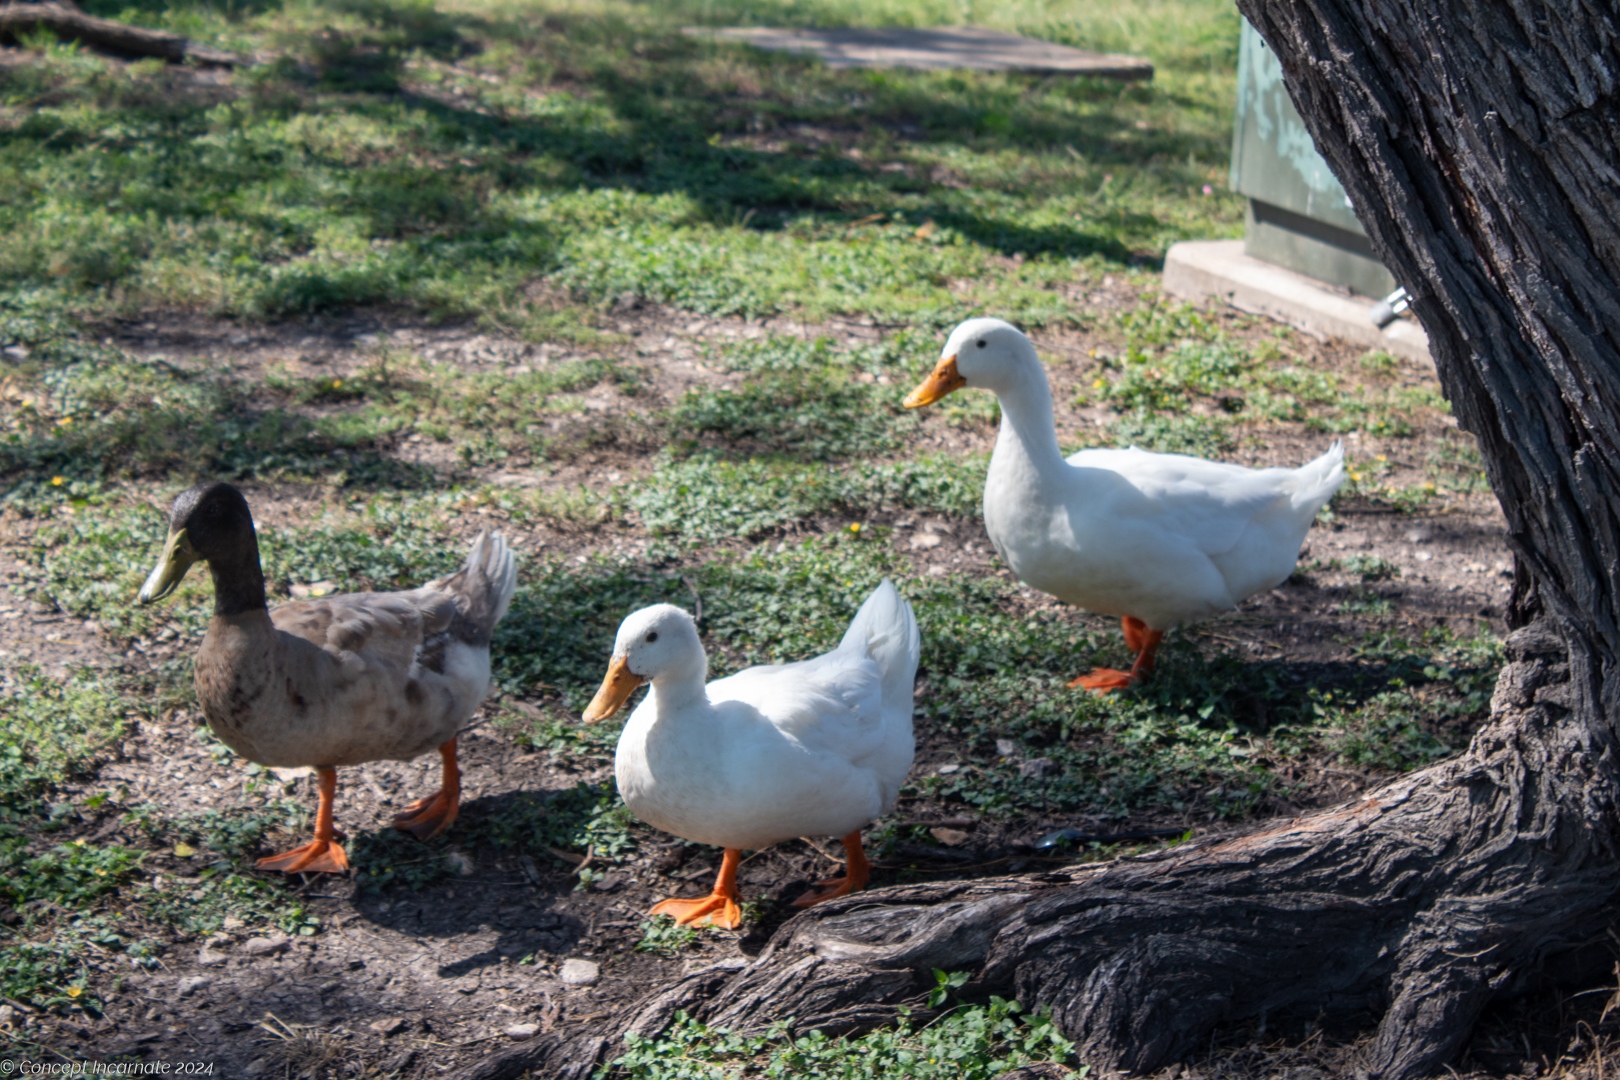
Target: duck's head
point(987, 354)
point(212, 523)
point(655, 641)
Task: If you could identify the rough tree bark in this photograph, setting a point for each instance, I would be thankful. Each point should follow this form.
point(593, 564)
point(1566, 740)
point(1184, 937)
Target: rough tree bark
point(1479, 140)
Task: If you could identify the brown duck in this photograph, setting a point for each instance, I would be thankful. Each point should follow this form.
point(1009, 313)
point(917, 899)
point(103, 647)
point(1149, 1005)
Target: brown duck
point(339, 680)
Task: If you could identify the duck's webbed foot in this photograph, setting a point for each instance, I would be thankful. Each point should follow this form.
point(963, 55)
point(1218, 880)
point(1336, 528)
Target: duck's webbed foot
point(858, 871)
point(322, 854)
point(1144, 642)
point(317, 856)
point(1102, 680)
point(716, 909)
point(720, 908)
point(427, 818)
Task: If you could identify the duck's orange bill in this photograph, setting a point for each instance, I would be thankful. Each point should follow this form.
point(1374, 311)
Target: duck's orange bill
point(942, 381)
point(617, 686)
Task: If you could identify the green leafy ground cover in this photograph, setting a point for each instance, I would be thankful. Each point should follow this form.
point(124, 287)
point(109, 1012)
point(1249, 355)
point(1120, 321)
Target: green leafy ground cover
point(538, 171)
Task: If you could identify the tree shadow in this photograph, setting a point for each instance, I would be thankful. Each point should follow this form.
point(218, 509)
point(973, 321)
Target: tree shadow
point(751, 138)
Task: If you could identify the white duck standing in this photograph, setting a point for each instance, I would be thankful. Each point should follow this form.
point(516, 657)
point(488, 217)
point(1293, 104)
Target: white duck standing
point(1157, 539)
point(814, 748)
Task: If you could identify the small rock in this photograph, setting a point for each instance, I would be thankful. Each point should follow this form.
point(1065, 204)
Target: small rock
point(1035, 768)
point(207, 957)
point(946, 770)
point(259, 946)
point(388, 1025)
point(577, 972)
point(1419, 535)
point(523, 1031)
point(1006, 747)
point(191, 984)
point(949, 837)
point(925, 541)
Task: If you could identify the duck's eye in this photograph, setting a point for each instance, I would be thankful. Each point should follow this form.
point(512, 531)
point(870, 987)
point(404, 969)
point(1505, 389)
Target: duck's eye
point(981, 344)
point(652, 636)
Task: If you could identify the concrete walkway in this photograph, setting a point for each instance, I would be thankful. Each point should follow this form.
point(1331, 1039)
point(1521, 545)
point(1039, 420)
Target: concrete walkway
point(1197, 269)
point(934, 48)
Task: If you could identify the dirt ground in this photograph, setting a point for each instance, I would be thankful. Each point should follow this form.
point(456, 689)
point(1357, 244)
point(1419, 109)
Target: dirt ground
point(418, 984)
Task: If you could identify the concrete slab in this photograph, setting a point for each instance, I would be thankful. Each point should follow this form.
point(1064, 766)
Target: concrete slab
point(934, 48)
point(1197, 269)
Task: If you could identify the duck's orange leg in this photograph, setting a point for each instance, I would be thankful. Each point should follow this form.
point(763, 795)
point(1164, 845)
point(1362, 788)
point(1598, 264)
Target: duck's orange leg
point(324, 853)
point(856, 873)
point(720, 908)
point(1144, 642)
point(427, 818)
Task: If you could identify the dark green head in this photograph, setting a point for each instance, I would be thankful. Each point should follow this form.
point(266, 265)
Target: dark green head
point(211, 522)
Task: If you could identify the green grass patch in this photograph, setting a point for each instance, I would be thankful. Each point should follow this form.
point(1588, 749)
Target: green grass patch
point(51, 730)
point(445, 160)
point(971, 1042)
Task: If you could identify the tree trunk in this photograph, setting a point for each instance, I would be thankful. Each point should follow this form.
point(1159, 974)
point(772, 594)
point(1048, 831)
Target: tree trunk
point(1479, 143)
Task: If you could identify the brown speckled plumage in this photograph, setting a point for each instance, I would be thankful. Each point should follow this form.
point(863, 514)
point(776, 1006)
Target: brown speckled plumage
point(338, 680)
point(358, 677)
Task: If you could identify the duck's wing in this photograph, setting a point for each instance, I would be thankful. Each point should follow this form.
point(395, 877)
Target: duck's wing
point(1209, 503)
point(831, 704)
point(386, 633)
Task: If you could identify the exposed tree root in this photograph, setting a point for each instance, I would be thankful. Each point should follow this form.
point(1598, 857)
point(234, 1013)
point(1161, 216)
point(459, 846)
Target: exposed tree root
point(1419, 901)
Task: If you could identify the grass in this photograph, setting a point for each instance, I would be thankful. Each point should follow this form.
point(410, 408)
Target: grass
point(544, 172)
point(443, 159)
point(974, 1042)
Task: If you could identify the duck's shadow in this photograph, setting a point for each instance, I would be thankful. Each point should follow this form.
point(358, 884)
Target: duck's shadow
point(492, 872)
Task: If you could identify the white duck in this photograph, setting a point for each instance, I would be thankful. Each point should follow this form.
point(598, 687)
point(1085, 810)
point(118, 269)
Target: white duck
point(1158, 539)
point(814, 748)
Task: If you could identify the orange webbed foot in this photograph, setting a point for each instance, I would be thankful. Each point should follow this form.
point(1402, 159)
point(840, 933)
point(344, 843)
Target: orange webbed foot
point(317, 856)
point(716, 909)
point(1102, 680)
point(427, 818)
point(826, 889)
point(857, 872)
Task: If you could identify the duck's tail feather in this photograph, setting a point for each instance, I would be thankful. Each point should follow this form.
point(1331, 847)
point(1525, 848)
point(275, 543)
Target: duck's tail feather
point(886, 630)
point(483, 588)
point(1319, 479)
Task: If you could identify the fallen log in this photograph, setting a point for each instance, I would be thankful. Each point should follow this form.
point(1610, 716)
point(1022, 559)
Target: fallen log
point(69, 23)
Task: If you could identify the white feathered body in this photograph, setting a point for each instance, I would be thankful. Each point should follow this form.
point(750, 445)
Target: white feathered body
point(1164, 538)
point(814, 748)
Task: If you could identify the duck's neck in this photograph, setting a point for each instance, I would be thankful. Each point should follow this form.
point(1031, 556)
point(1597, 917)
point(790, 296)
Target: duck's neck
point(1028, 437)
point(681, 689)
point(238, 580)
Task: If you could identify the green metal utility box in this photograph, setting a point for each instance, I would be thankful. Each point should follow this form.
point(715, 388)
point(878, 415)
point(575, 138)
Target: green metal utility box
point(1298, 215)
